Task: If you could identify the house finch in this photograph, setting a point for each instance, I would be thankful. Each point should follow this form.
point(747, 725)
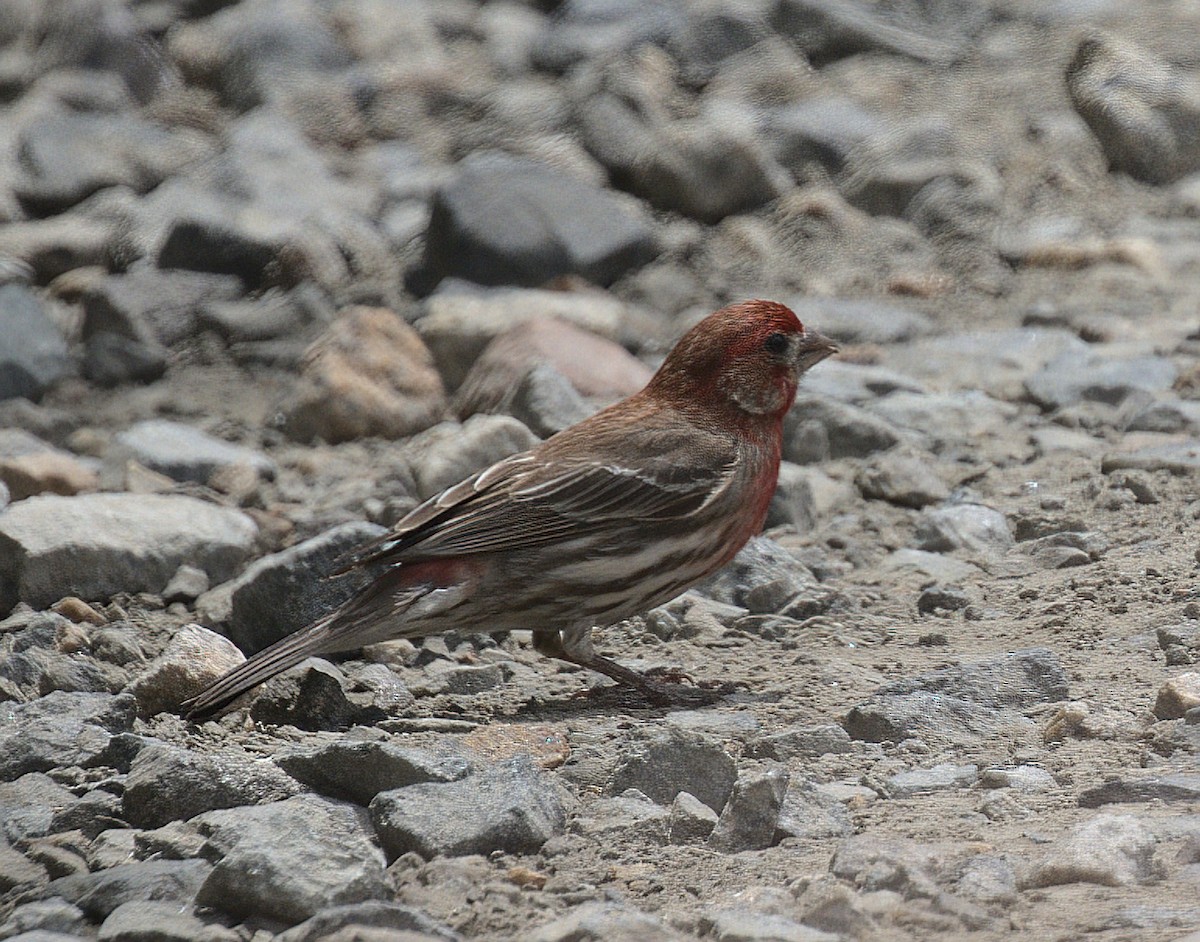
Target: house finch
point(608, 518)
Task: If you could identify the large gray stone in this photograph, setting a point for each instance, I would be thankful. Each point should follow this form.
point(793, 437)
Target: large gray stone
point(359, 770)
point(508, 807)
point(674, 761)
point(288, 860)
point(60, 729)
point(33, 353)
point(98, 894)
point(341, 921)
point(185, 453)
point(506, 220)
point(95, 545)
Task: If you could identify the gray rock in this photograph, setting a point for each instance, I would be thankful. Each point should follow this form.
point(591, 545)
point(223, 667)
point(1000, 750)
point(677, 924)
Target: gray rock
point(373, 914)
point(61, 729)
point(192, 659)
point(941, 598)
point(605, 922)
point(111, 359)
point(95, 811)
point(27, 805)
point(802, 742)
point(1144, 111)
point(743, 925)
point(449, 452)
point(447, 677)
point(673, 761)
point(862, 321)
point(18, 872)
point(706, 167)
point(48, 916)
point(505, 220)
point(630, 815)
point(583, 30)
point(903, 477)
point(185, 453)
point(971, 699)
point(546, 402)
point(1180, 457)
point(158, 308)
point(1022, 778)
point(313, 695)
point(98, 894)
point(764, 578)
point(458, 322)
point(359, 770)
point(810, 814)
point(748, 820)
point(166, 784)
point(941, 777)
point(1182, 786)
point(825, 33)
point(68, 156)
point(1109, 850)
point(825, 130)
point(806, 496)
point(187, 585)
point(817, 430)
point(33, 353)
point(110, 543)
point(971, 527)
point(508, 807)
point(1072, 378)
point(691, 820)
point(285, 591)
point(162, 922)
point(948, 424)
point(268, 856)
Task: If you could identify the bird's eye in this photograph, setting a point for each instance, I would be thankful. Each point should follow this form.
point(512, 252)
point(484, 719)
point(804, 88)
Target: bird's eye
point(776, 343)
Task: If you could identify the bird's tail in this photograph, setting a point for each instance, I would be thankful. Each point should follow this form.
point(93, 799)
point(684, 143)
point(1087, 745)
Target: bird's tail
point(284, 653)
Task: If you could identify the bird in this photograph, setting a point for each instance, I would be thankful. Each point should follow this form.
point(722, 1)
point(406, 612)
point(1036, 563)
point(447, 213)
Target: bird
point(604, 520)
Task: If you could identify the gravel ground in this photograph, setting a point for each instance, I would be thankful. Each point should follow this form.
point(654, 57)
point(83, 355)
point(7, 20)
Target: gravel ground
point(272, 272)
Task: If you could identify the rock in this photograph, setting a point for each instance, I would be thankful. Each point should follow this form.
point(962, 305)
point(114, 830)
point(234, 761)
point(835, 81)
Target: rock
point(458, 323)
point(187, 585)
point(748, 820)
point(449, 453)
point(28, 803)
point(810, 813)
point(1177, 457)
point(33, 353)
point(164, 921)
point(604, 922)
point(741, 925)
point(506, 220)
point(184, 453)
point(111, 359)
point(285, 591)
point(971, 527)
point(193, 659)
point(154, 307)
point(167, 784)
point(60, 729)
point(1177, 695)
point(545, 402)
point(823, 130)
point(98, 894)
point(903, 477)
point(67, 156)
point(1108, 850)
point(818, 430)
point(1180, 787)
point(18, 871)
point(51, 916)
point(914, 782)
point(268, 851)
point(400, 923)
point(594, 366)
point(805, 742)
point(629, 815)
point(369, 374)
point(508, 807)
point(975, 699)
point(1073, 378)
point(582, 31)
point(313, 695)
point(691, 820)
point(359, 770)
point(706, 167)
point(1143, 111)
point(1022, 778)
point(673, 761)
point(806, 496)
point(765, 578)
point(47, 472)
point(56, 245)
point(932, 565)
point(113, 543)
point(447, 677)
point(940, 598)
point(826, 33)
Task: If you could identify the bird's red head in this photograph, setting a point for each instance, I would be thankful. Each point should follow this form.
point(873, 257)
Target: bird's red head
point(747, 358)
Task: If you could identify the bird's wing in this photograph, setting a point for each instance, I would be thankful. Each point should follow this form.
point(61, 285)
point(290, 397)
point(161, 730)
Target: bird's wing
point(520, 503)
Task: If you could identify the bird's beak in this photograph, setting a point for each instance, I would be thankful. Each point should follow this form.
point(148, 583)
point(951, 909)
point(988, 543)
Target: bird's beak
point(812, 349)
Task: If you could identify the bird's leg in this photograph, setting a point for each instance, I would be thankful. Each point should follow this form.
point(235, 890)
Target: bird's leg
point(575, 646)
